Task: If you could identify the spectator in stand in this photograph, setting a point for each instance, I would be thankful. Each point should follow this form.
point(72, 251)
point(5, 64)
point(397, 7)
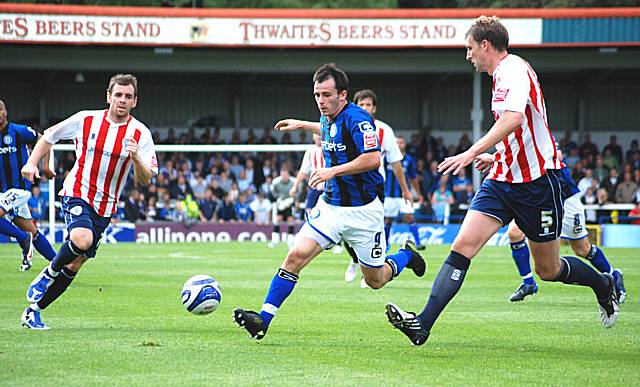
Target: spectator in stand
point(244, 182)
point(463, 144)
point(461, 186)
point(413, 147)
point(185, 169)
point(588, 148)
point(251, 137)
point(608, 159)
point(280, 188)
point(209, 206)
point(428, 143)
point(634, 214)
point(602, 198)
point(206, 137)
point(152, 210)
point(430, 179)
point(568, 145)
point(441, 198)
point(234, 191)
point(626, 189)
point(198, 186)
point(227, 212)
point(267, 168)
point(635, 161)
point(179, 188)
point(168, 170)
point(586, 181)
point(37, 204)
point(572, 159)
point(235, 166)
point(440, 151)
point(614, 148)
point(589, 197)
point(134, 208)
point(217, 191)
point(225, 181)
point(217, 138)
point(601, 171)
point(243, 210)
point(171, 137)
point(636, 176)
point(267, 138)
point(632, 150)
point(265, 188)
point(611, 182)
point(235, 137)
point(261, 208)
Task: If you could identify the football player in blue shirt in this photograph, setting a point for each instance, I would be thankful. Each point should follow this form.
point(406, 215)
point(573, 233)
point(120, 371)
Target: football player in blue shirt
point(350, 207)
point(16, 191)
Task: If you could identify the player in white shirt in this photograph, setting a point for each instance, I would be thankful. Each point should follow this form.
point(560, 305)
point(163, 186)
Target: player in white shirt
point(108, 143)
point(524, 184)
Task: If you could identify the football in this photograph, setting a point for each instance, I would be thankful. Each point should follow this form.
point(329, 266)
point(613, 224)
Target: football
point(201, 294)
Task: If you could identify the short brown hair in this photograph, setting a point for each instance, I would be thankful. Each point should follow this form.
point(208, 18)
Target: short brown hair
point(364, 94)
point(329, 70)
point(490, 29)
point(124, 80)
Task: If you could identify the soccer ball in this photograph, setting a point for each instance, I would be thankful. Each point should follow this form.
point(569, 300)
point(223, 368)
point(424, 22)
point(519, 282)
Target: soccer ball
point(201, 294)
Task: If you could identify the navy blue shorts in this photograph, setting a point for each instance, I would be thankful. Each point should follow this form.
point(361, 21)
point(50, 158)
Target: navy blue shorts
point(537, 206)
point(312, 198)
point(78, 213)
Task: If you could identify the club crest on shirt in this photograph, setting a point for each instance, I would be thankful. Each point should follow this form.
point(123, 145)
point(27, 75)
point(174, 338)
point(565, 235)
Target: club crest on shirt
point(77, 210)
point(370, 140)
point(499, 95)
point(365, 126)
point(125, 142)
point(333, 130)
point(7, 139)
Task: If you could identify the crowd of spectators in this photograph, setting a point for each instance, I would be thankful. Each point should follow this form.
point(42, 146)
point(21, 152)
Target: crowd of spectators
point(245, 187)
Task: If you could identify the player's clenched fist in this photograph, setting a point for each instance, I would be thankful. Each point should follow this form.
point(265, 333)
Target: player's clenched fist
point(30, 172)
point(132, 147)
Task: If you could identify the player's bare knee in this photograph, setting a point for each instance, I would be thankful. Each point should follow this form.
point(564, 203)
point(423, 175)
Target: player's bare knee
point(547, 272)
point(295, 260)
point(82, 240)
point(374, 282)
point(581, 249)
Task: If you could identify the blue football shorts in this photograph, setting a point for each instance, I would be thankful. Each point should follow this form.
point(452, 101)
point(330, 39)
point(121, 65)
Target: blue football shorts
point(536, 206)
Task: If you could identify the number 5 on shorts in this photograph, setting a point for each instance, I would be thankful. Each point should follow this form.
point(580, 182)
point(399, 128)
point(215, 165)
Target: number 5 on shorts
point(546, 220)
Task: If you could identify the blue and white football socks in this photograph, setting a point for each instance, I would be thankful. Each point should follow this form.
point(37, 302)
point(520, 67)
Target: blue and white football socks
point(44, 247)
point(281, 287)
point(520, 254)
point(398, 261)
point(413, 227)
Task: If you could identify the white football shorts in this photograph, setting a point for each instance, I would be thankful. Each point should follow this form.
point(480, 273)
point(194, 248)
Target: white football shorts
point(14, 203)
point(573, 222)
point(362, 227)
point(395, 206)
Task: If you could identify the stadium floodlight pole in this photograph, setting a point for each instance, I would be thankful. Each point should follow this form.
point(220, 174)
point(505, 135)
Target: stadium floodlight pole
point(476, 120)
point(169, 148)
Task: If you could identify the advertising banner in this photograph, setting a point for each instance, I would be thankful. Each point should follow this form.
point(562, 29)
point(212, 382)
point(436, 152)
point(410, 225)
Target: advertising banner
point(250, 32)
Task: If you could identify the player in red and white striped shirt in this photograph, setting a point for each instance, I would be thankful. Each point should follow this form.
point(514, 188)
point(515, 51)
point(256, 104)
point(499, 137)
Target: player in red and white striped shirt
point(313, 159)
point(108, 143)
point(523, 185)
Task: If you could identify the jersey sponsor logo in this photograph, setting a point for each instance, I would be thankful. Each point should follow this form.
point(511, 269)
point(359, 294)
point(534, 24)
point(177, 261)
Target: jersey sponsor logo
point(7, 139)
point(8, 149)
point(107, 153)
point(500, 95)
point(333, 130)
point(365, 126)
point(333, 146)
point(370, 140)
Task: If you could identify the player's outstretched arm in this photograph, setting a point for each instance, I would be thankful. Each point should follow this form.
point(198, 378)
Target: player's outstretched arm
point(398, 172)
point(291, 124)
point(30, 169)
point(505, 125)
point(363, 163)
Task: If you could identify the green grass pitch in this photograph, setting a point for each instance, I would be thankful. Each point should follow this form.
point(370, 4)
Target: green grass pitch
point(122, 323)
